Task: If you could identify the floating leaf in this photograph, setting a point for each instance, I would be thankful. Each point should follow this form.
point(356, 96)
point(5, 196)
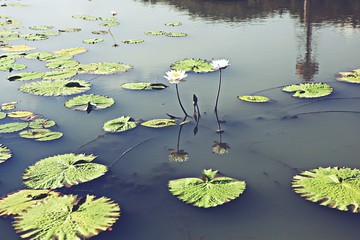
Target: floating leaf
point(143, 86)
point(159, 123)
point(13, 55)
point(86, 17)
point(175, 34)
point(70, 30)
point(101, 32)
point(109, 24)
point(8, 106)
point(41, 28)
point(68, 217)
point(5, 154)
point(155, 33)
point(105, 68)
point(93, 40)
point(17, 48)
point(333, 187)
point(20, 201)
point(19, 114)
point(173, 24)
point(49, 136)
point(2, 115)
point(196, 65)
point(82, 102)
point(42, 123)
point(132, 41)
point(34, 37)
point(120, 124)
point(57, 58)
point(25, 76)
point(12, 67)
point(40, 134)
point(351, 77)
point(12, 127)
point(62, 170)
point(56, 87)
point(62, 64)
point(256, 99)
point(71, 51)
point(38, 55)
point(309, 90)
point(209, 191)
point(51, 34)
point(59, 74)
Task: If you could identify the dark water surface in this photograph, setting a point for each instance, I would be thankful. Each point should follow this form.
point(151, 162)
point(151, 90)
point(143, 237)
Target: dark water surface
point(269, 44)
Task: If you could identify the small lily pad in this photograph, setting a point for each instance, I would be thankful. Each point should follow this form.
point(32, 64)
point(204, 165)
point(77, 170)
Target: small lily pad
point(70, 30)
point(40, 134)
point(173, 24)
point(2, 115)
point(100, 32)
point(49, 136)
point(155, 33)
point(71, 51)
point(19, 114)
point(143, 86)
point(309, 90)
point(175, 34)
point(350, 77)
point(159, 123)
point(13, 67)
point(256, 99)
point(59, 74)
point(41, 28)
point(12, 127)
point(83, 102)
point(25, 76)
point(62, 64)
point(18, 48)
point(132, 41)
point(86, 17)
point(109, 24)
point(42, 123)
point(93, 40)
point(34, 37)
point(120, 124)
point(192, 64)
point(5, 154)
point(209, 191)
point(38, 55)
point(104, 68)
point(8, 106)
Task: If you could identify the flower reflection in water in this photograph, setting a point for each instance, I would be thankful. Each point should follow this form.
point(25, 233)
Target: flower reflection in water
point(220, 147)
point(178, 156)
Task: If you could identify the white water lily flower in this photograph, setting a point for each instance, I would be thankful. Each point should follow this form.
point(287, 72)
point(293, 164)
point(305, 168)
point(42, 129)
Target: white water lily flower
point(175, 76)
point(220, 64)
point(114, 13)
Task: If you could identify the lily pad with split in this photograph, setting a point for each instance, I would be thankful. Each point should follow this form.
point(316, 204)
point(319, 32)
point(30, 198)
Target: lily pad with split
point(19, 114)
point(211, 190)
point(255, 99)
point(143, 86)
point(41, 134)
point(42, 123)
point(86, 101)
point(133, 41)
point(93, 40)
point(68, 217)
point(56, 87)
point(192, 64)
point(18, 48)
point(332, 186)
point(309, 90)
point(5, 154)
point(62, 170)
point(120, 124)
point(12, 127)
point(25, 76)
point(175, 34)
point(20, 201)
point(60, 74)
point(159, 123)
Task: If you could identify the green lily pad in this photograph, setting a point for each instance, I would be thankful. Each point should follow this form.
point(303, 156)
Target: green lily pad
point(51, 33)
point(104, 68)
point(83, 102)
point(19, 114)
point(132, 41)
point(70, 30)
point(196, 65)
point(42, 123)
point(18, 48)
point(57, 58)
point(93, 40)
point(333, 187)
point(62, 170)
point(41, 28)
point(38, 55)
point(5, 154)
point(13, 55)
point(34, 37)
point(56, 87)
point(6, 61)
point(309, 90)
point(7, 106)
point(49, 136)
point(86, 17)
point(159, 123)
point(155, 33)
point(59, 74)
point(209, 191)
point(25, 76)
point(350, 77)
point(12, 127)
point(175, 34)
point(120, 124)
point(71, 51)
point(20, 201)
point(2, 115)
point(62, 64)
point(100, 32)
point(256, 99)
point(13, 67)
point(143, 86)
point(109, 24)
point(68, 217)
point(173, 24)
point(40, 134)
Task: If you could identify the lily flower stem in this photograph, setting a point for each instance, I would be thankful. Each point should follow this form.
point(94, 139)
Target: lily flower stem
point(218, 93)
point(112, 36)
point(178, 97)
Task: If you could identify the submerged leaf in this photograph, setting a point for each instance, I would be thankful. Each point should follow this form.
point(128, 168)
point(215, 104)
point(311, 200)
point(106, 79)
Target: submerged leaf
point(120, 124)
point(333, 187)
point(12, 127)
point(68, 217)
point(257, 99)
point(5, 154)
point(196, 65)
point(62, 170)
point(209, 191)
point(97, 102)
point(309, 90)
point(159, 123)
point(143, 86)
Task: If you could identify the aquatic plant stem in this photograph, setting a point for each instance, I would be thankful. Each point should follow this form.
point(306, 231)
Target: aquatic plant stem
point(218, 93)
point(178, 97)
point(113, 38)
point(98, 137)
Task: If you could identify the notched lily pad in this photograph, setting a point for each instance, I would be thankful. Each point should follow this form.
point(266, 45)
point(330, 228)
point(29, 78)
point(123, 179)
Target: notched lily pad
point(120, 124)
point(5, 154)
point(209, 191)
point(42, 123)
point(62, 170)
point(332, 186)
point(159, 123)
point(89, 102)
point(192, 64)
point(143, 86)
point(93, 40)
point(255, 99)
point(309, 90)
point(12, 127)
point(133, 41)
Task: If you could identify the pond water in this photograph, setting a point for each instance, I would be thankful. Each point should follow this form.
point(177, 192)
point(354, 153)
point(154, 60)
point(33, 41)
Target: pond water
point(270, 43)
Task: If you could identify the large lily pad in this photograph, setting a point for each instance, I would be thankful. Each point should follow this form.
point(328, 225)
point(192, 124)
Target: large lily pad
point(19, 114)
point(18, 202)
point(351, 77)
point(42, 123)
point(143, 86)
point(62, 170)
point(105, 68)
point(12, 127)
point(120, 124)
point(18, 48)
point(209, 191)
point(86, 101)
point(56, 87)
point(196, 65)
point(71, 51)
point(5, 154)
point(159, 123)
point(309, 90)
point(68, 217)
point(62, 64)
point(333, 187)
point(59, 74)
point(25, 76)
point(255, 99)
